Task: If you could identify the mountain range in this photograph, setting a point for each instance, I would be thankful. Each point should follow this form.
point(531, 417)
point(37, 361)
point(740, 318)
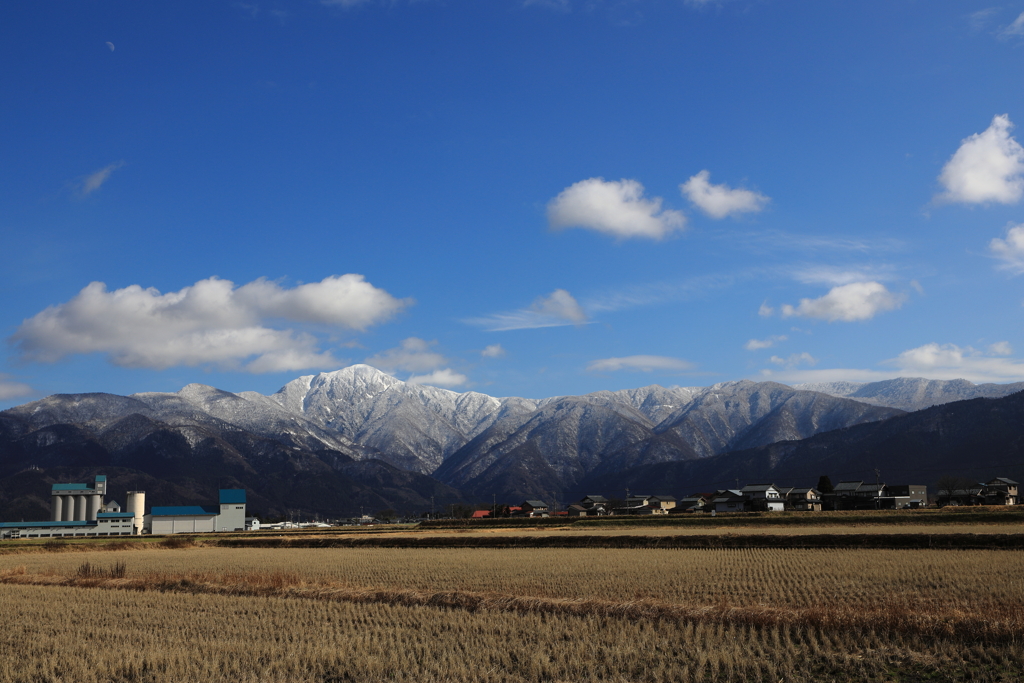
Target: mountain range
point(358, 438)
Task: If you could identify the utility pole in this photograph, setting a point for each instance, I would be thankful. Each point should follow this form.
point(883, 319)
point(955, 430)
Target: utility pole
point(494, 505)
point(431, 507)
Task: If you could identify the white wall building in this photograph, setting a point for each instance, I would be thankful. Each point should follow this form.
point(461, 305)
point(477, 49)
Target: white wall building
point(227, 515)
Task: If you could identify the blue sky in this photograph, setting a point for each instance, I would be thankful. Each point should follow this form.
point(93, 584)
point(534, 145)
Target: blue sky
point(519, 198)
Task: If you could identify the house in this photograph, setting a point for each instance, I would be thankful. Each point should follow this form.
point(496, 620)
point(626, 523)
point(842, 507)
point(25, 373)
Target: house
point(695, 503)
point(635, 505)
point(664, 502)
point(534, 508)
point(763, 497)
point(729, 500)
point(594, 505)
point(577, 510)
point(808, 500)
point(480, 514)
point(252, 524)
point(1001, 491)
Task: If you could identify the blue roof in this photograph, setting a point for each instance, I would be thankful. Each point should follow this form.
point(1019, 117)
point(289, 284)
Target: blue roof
point(178, 510)
point(232, 496)
point(15, 525)
point(70, 487)
point(101, 477)
point(111, 515)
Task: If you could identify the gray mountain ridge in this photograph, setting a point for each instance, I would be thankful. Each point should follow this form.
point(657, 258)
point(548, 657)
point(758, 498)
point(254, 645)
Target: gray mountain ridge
point(485, 445)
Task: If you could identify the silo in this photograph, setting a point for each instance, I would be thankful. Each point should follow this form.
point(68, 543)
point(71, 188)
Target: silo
point(137, 506)
point(94, 504)
point(57, 504)
point(79, 509)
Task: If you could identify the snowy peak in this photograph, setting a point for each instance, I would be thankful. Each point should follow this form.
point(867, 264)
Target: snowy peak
point(913, 393)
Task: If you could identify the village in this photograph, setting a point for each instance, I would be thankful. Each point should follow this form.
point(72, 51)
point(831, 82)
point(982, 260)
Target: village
point(846, 495)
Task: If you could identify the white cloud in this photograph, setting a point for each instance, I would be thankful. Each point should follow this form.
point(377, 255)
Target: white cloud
point(765, 311)
point(855, 301)
point(412, 355)
point(210, 322)
point(1010, 250)
point(931, 361)
point(640, 363)
point(1001, 349)
point(719, 201)
point(756, 344)
point(493, 351)
point(988, 167)
point(794, 360)
point(552, 310)
point(444, 378)
point(616, 208)
point(833, 275)
point(416, 355)
point(94, 181)
point(1014, 29)
point(10, 389)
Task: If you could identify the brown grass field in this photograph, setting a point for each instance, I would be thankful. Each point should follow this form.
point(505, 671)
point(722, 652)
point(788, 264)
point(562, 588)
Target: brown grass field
point(507, 614)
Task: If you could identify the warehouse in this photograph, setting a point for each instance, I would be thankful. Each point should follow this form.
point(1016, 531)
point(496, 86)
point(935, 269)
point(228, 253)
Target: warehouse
point(105, 524)
point(228, 515)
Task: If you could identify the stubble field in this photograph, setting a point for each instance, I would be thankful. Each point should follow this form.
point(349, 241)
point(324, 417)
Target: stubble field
point(540, 614)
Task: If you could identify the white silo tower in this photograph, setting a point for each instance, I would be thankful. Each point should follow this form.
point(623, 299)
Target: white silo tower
point(137, 506)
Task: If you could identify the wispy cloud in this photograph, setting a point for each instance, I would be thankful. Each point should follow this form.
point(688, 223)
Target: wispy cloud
point(1016, 27)
point(551, 310)
point(842, 275)
point(794, 360)
point(613, 207)
point(211, 322)
point(932, 361)
point(412, 355)
point(987, 167)
point(758, 344)
point(640, 364)
point(10, 389)
point(719, 201)
point(94, 181)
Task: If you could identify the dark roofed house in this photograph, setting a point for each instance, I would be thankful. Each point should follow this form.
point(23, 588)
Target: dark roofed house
point(763, 497)
point(535, 508)
point(808, 500)
point(695, 503)
point(1001, 491)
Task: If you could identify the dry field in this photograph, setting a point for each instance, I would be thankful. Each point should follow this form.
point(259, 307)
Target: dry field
point(434, 614)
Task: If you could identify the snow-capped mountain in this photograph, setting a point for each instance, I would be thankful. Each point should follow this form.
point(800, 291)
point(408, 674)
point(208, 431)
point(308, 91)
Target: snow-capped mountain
point(912, 393)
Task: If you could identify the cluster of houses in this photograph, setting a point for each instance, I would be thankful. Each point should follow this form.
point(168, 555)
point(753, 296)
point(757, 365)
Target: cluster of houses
point(999, 491)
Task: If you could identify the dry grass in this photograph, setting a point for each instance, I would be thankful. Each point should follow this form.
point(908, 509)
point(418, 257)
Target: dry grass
point(218, 614)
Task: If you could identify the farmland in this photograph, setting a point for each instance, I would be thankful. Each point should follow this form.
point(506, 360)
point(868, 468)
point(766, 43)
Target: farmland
point(506, 614)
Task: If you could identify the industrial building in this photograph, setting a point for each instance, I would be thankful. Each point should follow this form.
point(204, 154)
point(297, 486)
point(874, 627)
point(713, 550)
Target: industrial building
point(228, 515)
point(81, 510)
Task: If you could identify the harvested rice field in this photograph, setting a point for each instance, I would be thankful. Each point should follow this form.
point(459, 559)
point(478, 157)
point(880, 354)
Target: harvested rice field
point(540, 614)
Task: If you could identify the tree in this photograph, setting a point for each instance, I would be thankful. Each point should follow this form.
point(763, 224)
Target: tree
point(387, 514)
point(953, 488)
point(825, 484)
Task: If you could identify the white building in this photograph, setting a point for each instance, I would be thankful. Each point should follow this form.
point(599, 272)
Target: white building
point(105, 524)
point(228, 515)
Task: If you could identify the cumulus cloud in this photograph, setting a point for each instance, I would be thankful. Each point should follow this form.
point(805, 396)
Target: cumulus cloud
point(765, 311)
point(757, 344)
point(640, 363)
point(9, 389)
point(616, 208)
point(444, 377)
point(719, 201)
point(412, 355)
point(552, 310)
point(95, 180)
point(988, 167)
point(210, 322)
point(848, 303)
point(794, 360)
point(493, 351)
point(1010, 250)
